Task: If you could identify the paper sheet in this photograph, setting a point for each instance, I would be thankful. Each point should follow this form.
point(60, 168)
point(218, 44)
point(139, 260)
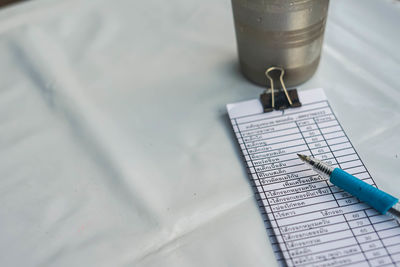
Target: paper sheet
point(310, 221)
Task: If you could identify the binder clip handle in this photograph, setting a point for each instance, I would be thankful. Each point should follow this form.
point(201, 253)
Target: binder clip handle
point(271, 80)
point(285, 99)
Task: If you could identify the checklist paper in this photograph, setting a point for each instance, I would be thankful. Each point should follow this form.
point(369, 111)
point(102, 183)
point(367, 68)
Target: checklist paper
point(311, 222)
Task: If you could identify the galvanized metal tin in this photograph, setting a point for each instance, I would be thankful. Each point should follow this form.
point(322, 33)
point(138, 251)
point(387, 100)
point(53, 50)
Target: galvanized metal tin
point(285, 33)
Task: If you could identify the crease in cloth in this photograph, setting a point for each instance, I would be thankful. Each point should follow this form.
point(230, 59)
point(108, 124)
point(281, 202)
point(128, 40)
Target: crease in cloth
point(82, 117)
point(362, 73)
point(188, 228)
point(361, 37)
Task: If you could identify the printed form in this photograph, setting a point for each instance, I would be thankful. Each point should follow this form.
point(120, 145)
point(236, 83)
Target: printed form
point(311, 222)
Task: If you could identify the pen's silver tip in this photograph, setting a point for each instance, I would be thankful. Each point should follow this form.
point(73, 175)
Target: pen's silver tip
point(302, 157)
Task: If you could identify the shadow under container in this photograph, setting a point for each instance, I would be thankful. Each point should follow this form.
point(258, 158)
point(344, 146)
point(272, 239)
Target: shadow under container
point(282, 33)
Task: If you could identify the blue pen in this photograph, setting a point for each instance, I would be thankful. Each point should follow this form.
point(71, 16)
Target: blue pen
point(381, 201)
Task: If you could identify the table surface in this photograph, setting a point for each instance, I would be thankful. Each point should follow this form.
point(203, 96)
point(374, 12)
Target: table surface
point(115, 145)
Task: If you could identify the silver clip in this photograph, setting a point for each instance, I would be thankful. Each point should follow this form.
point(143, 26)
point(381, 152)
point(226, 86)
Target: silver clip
point(272, 85)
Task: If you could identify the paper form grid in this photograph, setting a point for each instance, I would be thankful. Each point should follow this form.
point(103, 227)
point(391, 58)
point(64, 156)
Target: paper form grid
point(314, 223)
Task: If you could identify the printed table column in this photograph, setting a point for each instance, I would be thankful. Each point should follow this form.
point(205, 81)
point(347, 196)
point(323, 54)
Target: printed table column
point(312, 241)
point(266, 159)
point(373, 250)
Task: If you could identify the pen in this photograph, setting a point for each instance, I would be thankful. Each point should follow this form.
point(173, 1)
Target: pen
point(379, 200)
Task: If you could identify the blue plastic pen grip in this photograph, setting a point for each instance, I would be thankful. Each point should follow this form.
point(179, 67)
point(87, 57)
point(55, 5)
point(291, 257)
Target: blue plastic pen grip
point(376, 198)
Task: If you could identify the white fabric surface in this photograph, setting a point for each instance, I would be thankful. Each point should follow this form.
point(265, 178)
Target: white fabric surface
point(115, 147)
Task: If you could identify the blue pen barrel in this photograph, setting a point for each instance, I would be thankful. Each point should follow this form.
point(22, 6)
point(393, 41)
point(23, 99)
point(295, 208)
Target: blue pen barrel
point(376, 198)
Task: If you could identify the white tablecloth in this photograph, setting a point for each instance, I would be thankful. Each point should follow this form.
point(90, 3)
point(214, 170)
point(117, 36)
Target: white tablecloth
point(115, 147)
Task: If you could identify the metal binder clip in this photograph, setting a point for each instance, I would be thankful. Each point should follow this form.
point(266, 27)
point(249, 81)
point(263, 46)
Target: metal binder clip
point(279, 99)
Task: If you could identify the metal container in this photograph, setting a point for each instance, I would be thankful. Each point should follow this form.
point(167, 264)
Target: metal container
point(285, 33)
